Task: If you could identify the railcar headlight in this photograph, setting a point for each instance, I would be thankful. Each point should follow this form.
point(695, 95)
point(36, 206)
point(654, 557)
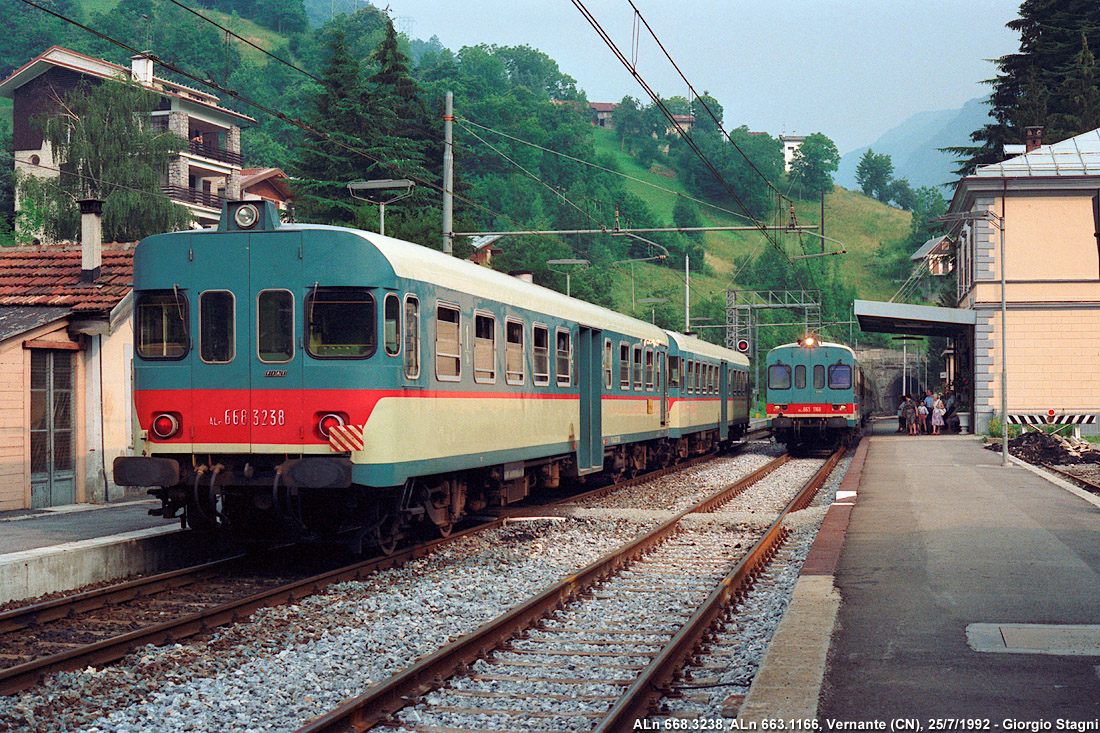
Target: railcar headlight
point(329, 421)
point(165, 425)
point(246, 216)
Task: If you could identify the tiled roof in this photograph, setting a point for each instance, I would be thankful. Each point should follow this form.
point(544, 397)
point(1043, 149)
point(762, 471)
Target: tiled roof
point(1077, 156)
point(50, 276)
point(15, 320)
point(603, 106)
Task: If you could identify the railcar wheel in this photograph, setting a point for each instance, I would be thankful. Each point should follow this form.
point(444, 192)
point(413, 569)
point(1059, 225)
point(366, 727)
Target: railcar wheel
point(387, 535)
point(445, 529)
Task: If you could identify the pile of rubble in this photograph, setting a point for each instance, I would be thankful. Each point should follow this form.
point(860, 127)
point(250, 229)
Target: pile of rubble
point(1039, 448)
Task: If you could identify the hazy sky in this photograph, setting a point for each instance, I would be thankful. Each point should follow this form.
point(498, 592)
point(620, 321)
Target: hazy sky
point(850, 69)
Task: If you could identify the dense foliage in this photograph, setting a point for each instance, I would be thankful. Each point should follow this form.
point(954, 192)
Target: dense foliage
point(105, 151)
point(1051, 82)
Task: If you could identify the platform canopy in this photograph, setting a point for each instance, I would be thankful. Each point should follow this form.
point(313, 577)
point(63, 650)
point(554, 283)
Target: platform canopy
point(917, 320)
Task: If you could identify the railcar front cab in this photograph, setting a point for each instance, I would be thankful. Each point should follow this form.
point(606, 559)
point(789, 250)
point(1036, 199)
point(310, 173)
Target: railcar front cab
point(231, 325)
point(813, 392)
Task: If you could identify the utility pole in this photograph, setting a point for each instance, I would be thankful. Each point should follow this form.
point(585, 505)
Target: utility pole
point(687, 293)
point(448, 174)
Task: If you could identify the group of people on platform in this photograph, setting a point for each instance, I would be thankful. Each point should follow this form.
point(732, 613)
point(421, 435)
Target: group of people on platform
point(935, 414)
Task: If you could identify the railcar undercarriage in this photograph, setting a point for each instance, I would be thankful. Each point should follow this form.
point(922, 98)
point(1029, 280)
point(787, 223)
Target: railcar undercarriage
point(261, 499)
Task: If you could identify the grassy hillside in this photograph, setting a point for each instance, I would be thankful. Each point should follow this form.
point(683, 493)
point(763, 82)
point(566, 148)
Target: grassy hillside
point(857, 221)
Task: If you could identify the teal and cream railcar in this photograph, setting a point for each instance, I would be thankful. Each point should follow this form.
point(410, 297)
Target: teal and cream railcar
point(816, 395)
point(709, 394)
point(300, 379)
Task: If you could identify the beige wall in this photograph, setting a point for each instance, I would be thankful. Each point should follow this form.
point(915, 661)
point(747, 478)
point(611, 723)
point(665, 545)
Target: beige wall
point(117, 397)
point(1049, 238)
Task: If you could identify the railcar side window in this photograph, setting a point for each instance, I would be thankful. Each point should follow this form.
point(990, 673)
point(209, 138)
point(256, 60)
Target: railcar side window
point(673, 371)
point(162, 325)
point(689, 370)
point(217, 344)
point(800, 376)
point(275, 325)
point(699, 387)
point(485, 354)
point(636, 361)
point(840, 376)
point(819, 376)
point(513, 352)
point(412, 337)
point(624, 365)
point(565, 358)
point(392, 324)
point(779, 376)
point(340, 324)
point(649, 368)
point(448, 350)
point(542, 355)
point(608, 356)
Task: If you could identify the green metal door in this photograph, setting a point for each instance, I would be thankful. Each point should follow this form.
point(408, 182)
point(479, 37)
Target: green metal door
point(53, 478)
point(724, 390)
point(590, 381)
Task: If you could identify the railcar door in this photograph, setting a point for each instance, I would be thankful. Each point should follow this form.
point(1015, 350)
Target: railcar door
point(662, 379)
point(219, 304)
point(723, 401)
point(275, 355)
point(590, 382)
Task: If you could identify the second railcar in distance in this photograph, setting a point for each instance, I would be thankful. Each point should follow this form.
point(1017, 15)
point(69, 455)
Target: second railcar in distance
point(816, 394)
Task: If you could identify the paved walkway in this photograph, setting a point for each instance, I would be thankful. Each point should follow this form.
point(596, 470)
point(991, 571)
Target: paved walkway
point(942, 540)
point(28, 530)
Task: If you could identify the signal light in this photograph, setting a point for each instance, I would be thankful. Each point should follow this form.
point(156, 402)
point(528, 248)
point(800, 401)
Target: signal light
point(330, 420)
point(742, 345)
point(165, 425)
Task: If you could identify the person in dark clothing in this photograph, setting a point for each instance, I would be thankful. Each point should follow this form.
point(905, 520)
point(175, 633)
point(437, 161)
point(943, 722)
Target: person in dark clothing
point(951, 413)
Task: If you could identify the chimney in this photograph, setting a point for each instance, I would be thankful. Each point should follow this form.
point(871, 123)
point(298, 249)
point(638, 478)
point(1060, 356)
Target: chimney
point(91, 239)
point(141, 68)
point(1033, 138)
point(525, 275)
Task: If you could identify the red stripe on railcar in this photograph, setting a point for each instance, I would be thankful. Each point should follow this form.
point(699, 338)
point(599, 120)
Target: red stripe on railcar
point(812, 409)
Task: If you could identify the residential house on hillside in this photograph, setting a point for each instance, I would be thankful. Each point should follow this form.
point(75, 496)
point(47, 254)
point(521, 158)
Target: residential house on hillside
point(206, 172)
point(267, 184)
point(603, 114)
point(66, 343)
point(791, 144)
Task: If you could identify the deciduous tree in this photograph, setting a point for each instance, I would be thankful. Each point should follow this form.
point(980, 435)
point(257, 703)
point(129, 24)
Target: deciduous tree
point(814, 164)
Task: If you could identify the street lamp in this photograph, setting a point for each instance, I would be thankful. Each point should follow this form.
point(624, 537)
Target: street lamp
point(999, 222)
point(653, 302)
point(382, 184)
point(582, 264)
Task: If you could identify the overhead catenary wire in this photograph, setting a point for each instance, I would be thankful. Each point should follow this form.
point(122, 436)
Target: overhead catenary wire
point(684, 135)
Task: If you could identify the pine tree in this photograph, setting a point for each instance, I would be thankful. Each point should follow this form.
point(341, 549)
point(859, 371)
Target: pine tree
point(326, 165)
point(1037, 85)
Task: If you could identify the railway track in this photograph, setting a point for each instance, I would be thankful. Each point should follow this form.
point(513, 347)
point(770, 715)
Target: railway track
point(580, 655)
point(103, 625)
point(1085, 482)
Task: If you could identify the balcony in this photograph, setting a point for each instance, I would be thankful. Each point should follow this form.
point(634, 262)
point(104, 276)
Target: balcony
point(194, 196)
point(207, 150)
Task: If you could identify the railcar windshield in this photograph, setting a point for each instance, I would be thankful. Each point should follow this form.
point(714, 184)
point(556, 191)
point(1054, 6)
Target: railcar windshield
point(340, 323)
point(162, 325)
point(779, 376)
point(840, 376)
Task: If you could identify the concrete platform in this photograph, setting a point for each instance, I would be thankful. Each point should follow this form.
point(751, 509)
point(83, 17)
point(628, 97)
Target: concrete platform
point(962, 590)
point(57, 549)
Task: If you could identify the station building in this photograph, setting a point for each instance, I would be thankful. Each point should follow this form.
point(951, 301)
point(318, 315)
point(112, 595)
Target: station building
point(1026, 235)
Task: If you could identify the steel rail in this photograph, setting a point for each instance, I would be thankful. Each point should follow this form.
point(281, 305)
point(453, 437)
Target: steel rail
point(380, 702)
point(1095, 488)
point(653, 682)
point(20, 677)
point(40, 613)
